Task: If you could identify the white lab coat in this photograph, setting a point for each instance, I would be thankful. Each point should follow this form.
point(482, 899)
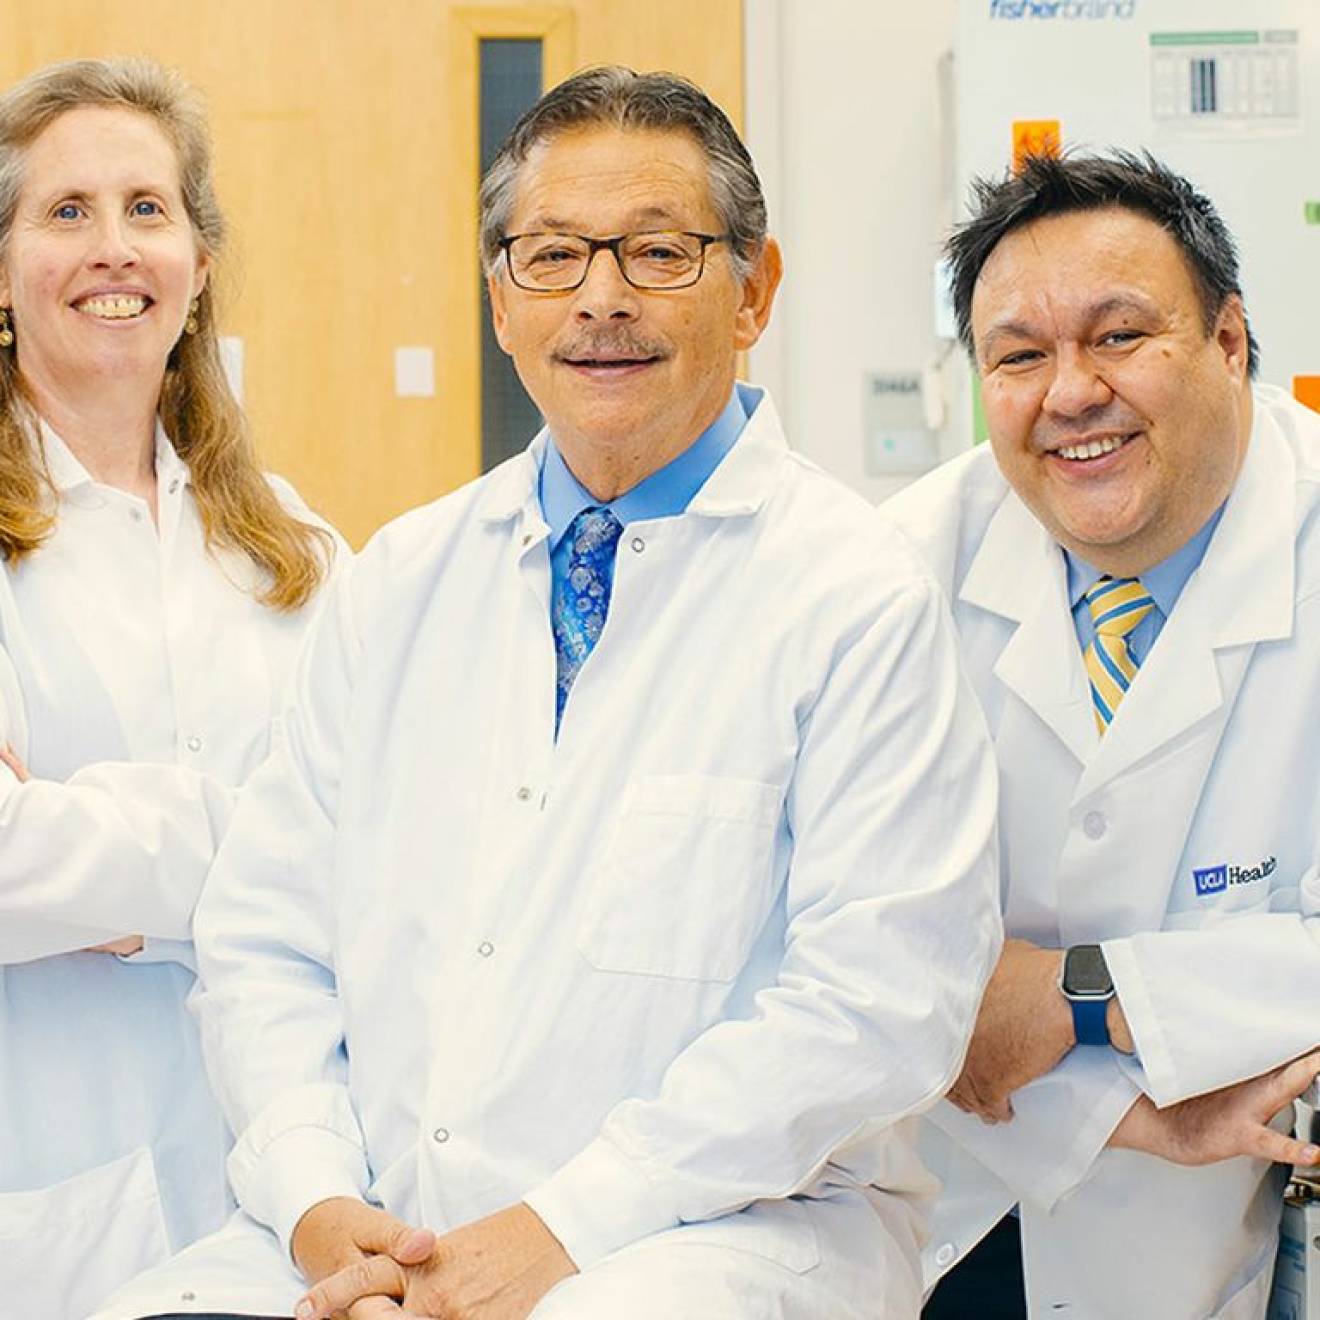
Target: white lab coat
point(119, 643)
point(710, 948)
point(1211, 760)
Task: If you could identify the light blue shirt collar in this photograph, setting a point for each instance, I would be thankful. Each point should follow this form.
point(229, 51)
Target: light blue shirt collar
point(1164, 581)
point(663, 494)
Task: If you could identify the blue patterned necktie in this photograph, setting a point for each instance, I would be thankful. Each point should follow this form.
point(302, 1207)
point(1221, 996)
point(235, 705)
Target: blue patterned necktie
point(582, 598)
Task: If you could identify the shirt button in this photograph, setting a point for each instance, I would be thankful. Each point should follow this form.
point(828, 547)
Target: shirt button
point(194, 744)
point(187, 1297)
point(638, 545)
point(174, 484)
point(1094, 825)
point(440, 1136)
point(485, 948)
point(945, 1254)
point(527, 538)
point(135, 514)
point(524, 793)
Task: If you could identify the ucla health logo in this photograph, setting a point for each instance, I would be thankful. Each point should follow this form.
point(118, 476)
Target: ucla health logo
point(1216, 879)
point(1065, 9)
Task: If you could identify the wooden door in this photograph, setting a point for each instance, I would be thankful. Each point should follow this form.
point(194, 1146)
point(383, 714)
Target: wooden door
point(347, 158)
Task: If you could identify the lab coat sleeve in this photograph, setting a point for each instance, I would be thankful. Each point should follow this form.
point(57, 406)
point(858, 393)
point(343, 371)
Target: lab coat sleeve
point(267, 1003)
point(118, 849)
point(893, 927)
point(1227, 1001)
point(1061, 1123)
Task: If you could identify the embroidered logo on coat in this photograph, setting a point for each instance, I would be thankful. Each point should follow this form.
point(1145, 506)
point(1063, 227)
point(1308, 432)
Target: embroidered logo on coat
point(1215, 879)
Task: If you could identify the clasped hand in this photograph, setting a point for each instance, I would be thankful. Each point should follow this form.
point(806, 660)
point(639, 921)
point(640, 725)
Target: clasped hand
point(367, 1265)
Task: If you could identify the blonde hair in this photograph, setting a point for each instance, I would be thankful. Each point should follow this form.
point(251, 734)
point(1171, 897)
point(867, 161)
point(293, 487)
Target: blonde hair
point(238, 507)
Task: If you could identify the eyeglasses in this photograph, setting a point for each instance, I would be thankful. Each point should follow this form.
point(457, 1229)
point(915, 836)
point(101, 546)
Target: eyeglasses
point(558, 263)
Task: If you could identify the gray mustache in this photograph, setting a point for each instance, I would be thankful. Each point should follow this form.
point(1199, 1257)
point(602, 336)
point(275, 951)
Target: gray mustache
point(615, 344)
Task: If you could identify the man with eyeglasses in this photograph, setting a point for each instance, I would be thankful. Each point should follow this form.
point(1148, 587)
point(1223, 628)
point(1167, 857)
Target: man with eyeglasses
point(625, 880)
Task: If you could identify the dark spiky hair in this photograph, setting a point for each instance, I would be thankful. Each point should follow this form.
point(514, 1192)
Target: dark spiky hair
point(1056, 185)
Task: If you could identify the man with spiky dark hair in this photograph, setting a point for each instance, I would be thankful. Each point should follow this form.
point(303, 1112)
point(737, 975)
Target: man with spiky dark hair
point(1134, 567)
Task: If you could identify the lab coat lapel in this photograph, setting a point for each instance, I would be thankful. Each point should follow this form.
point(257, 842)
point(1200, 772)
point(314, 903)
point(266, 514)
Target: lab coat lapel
point(1242, 594)
point(1018, 573)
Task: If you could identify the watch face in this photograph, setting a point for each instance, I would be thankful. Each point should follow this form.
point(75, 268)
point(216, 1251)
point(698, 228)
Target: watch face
point(1085, 972)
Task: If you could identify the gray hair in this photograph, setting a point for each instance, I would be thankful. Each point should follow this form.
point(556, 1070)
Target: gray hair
point(617, 97)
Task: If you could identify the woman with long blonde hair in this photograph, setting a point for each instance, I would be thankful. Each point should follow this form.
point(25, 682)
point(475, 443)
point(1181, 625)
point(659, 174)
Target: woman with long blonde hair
point(156, 585)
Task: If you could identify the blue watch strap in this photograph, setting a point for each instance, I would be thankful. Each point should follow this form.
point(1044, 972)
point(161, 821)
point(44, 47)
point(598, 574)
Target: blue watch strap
point(1089, 1025)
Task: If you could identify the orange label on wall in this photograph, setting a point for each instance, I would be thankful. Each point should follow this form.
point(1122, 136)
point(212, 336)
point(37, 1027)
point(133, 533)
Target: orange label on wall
point(1035, 137)
point(1306, 389)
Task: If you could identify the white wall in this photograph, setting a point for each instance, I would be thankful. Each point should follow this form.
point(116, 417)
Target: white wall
point(845, 124)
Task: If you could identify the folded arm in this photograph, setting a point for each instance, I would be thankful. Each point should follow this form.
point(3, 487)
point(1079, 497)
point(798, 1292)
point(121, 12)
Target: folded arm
point(1228, 1001)
point(118, 849)
point(1038, 1112)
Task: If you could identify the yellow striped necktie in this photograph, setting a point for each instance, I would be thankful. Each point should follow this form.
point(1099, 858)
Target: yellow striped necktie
point(1117, 605)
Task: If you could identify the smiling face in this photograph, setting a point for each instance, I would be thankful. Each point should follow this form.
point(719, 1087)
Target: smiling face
point(633, 375)
point(1117, 419)
point(101, 261)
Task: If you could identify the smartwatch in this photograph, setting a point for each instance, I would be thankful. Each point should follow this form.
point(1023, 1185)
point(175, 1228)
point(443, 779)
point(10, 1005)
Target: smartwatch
point(1088, 988)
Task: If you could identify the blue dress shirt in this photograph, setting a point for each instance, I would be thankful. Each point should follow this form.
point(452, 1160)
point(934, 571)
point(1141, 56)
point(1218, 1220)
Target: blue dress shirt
point(1164, 582)
point(664, 494)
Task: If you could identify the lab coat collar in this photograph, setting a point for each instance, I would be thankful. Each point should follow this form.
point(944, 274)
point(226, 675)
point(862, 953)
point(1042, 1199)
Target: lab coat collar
point(739, 485)
point(1248, 569)
point(1241, 594)
point(744, 480)
point(67, 472)
point(512, 487)
point(1019, 574)
point(168, 462)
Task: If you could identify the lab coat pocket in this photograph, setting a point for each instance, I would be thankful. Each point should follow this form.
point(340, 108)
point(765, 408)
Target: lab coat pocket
point(64, 1249)
point(684, 883)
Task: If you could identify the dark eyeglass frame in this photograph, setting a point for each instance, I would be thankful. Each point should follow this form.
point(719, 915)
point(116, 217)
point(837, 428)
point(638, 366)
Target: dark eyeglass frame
point(613, 245)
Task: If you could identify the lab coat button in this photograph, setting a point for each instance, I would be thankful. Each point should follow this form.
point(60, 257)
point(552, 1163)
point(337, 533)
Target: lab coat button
point(524, 793)
point(485, 948)
point(135, 514)
point(638, 545)
point(187, 1297)
point(194, 744)
point(174, 484)
point(527, 538)
point(1094, 825)
point(945, 1253)
point(440, 1136)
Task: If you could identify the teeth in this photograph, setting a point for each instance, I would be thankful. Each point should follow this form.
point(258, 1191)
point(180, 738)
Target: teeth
point(116, 307)
point(1094, 448)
